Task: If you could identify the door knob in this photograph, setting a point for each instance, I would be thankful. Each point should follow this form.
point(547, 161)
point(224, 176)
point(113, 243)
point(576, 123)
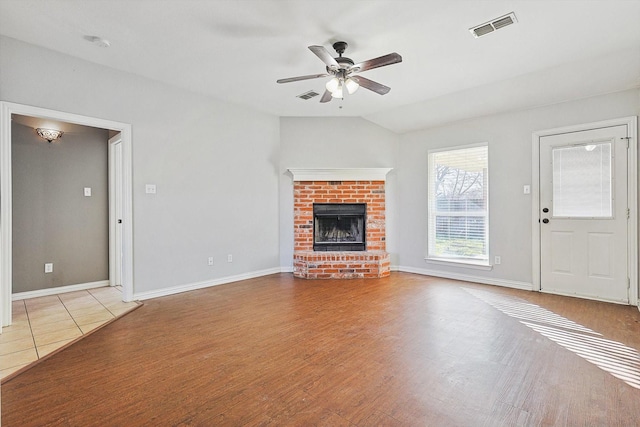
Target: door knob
point(545, 210)
point(546, 220)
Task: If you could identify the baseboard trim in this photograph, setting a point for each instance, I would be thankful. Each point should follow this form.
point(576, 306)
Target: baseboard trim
point(468, 278)
point(204, 284)
point(59, 290)
point(289, 269)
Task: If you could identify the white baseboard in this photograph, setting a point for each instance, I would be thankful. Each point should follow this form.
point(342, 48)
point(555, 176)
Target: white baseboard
point(59, 290)
point(468, 278)
point(204, 284)
point(289, 269)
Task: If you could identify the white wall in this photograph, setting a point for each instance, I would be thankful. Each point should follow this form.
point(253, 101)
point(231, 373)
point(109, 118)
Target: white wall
point(510, 167)
point(342, 142)
point(215, 164)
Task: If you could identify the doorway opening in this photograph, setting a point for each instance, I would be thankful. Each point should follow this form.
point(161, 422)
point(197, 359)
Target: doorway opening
point(119, 152)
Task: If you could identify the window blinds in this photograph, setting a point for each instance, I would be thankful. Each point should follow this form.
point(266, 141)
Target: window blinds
point(458, 203)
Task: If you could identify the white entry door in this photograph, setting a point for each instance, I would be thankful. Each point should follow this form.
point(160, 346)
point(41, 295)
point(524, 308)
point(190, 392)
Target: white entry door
point(584, 215)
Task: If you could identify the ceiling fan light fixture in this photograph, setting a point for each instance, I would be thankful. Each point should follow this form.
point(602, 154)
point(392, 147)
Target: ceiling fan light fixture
point(333, 84)
point(352, 85)
point(338, 92)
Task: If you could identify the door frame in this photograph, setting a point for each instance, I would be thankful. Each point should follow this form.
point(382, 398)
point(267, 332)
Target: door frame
point(632, 197)
point(6, 110)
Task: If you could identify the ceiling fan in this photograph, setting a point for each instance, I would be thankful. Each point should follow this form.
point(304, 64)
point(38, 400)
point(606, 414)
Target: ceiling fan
point(342, 72)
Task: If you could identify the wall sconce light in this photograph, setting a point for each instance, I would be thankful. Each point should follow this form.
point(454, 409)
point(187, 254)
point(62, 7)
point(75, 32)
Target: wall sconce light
point(49, 134)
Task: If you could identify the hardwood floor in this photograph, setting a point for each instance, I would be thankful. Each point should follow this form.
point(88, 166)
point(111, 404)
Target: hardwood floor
point(402, 351)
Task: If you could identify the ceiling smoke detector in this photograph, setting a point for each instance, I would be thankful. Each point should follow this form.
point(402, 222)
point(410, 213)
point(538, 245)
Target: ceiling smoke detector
point(493, 25)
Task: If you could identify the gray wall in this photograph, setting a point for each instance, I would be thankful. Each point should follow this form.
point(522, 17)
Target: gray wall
point(215, 165)
point(510, 167)
point(52, 219)
point(338, 142)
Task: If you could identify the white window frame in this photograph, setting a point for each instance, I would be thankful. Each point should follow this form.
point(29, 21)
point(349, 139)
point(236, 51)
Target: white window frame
point(479, 263)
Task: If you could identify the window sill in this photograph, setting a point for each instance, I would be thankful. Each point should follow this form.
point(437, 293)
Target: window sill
point(476, 265)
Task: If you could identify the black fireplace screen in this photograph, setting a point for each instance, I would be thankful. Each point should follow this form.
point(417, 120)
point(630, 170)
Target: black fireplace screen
point(339, 226)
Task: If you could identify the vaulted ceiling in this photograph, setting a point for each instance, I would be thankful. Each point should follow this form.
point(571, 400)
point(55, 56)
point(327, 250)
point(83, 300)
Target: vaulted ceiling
point(235, 50)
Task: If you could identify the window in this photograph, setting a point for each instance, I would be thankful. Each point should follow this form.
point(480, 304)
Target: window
point(459, 204)
point(582, 181)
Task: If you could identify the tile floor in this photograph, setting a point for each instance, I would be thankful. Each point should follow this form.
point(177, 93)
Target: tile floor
point(42, 325)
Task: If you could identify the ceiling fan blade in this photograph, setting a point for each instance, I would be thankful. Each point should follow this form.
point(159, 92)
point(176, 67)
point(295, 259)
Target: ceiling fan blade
point(295, 79)
point(325, 56)
point(326, 97)
point(371, 85)
point(392, 58)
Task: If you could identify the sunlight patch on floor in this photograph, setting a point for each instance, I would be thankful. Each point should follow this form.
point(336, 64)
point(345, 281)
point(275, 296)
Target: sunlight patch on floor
point(619, 360)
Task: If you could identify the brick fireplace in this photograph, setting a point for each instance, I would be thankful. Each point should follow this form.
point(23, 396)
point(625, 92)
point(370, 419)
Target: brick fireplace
point(327, 188)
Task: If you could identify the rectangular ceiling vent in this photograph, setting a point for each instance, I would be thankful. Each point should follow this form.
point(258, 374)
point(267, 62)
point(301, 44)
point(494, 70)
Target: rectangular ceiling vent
point(494, 25)
point(308, 95)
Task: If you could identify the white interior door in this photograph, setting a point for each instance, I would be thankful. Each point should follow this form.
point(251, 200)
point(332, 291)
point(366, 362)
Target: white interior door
point(116, 211)
point(584, 214)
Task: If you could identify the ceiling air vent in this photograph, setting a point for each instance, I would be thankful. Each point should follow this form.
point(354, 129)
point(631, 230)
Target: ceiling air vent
point(491, 26)
point(308, 95)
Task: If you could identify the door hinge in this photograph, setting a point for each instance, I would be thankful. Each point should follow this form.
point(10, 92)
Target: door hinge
point(628, 213)
point(627, 138)
point(628, 283)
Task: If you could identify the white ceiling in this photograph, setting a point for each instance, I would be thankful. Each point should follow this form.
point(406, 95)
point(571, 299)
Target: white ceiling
point(235, 50)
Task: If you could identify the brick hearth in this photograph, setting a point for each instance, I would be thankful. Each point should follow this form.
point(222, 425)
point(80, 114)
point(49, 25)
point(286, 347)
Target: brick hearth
point(372, 263)
point(341, 265)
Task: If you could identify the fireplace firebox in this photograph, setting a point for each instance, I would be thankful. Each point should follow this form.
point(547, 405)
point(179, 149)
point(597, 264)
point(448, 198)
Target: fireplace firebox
point(339, 226)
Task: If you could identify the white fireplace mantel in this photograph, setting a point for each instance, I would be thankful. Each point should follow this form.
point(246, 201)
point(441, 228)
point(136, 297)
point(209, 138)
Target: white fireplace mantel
point(340, 174)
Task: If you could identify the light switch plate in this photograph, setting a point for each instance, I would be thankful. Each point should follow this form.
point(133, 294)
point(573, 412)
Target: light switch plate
point(87, 191)
point(48, 267)
point(527, 189)
point(150, 189)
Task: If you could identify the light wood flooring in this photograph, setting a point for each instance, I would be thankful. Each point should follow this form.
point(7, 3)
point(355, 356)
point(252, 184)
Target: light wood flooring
point(407, 350)
point(43, 325)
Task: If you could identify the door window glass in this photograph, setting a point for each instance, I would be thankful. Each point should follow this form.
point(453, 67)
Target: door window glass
point(582, 183)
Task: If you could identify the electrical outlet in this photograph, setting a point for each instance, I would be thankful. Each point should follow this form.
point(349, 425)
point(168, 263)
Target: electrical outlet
point(48, 267)
point(229, 258)
point(150, 189)
point(497, 260)
point(210, 262)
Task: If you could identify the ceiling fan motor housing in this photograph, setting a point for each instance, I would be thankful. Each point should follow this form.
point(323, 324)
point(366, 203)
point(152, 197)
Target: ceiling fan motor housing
point(344, 63)
point(340, 47)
